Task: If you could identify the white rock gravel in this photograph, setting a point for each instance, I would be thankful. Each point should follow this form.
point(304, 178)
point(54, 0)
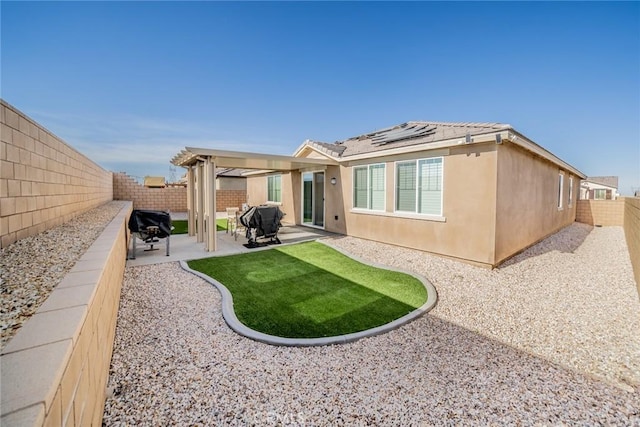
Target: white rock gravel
point(494, 351)
point(571, 299)
point(32, 267)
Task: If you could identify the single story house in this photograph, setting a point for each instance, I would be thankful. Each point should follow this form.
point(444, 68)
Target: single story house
point(226, 179)
point(478, 192)
point(154, 182)
point(231, 179)
point(599, 188)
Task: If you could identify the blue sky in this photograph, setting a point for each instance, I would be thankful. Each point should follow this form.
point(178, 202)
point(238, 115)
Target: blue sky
point(130, 84)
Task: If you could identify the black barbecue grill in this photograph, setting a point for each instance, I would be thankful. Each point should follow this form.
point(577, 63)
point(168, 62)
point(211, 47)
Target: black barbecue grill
point(262, 222)
point(150, 227)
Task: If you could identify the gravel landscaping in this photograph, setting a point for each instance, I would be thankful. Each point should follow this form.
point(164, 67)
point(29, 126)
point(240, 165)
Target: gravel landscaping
point(549, 338)
point(31, 267)
point(571, 299)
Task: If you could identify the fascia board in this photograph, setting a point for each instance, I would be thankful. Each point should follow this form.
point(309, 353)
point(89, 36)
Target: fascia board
point(506, 135)
point(306, 145)
point(447, 143)
point(300, 148)
point(531, 146)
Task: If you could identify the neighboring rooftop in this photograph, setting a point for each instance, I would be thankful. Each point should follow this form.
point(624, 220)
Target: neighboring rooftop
point(609, 181)
point(231, 172)
point(154, 181)
point(223, 172)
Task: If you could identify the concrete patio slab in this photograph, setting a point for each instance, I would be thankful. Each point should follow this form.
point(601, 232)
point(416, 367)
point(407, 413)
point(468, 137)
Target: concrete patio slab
point(185, 247)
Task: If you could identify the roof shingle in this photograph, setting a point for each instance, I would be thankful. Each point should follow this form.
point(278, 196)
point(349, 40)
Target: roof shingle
point(406, 134)
point(609, 181)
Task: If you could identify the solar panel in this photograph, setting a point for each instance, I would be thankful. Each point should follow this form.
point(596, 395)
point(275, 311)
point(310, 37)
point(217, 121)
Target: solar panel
point(402, 132)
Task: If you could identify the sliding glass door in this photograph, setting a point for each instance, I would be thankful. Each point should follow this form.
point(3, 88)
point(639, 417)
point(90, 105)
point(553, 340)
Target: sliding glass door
point(313, 198)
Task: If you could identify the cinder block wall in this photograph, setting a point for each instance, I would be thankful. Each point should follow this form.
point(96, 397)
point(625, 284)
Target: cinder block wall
point(230, 199)
point(55, 369)
point(624, 212)
point(43, 181)
point(632, 234)
point(601, 212)
point(172, 199)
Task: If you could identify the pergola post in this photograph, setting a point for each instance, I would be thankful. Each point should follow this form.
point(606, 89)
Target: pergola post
point(201, 199)
point(210, 201)
point(200, 202)
point(191, 197)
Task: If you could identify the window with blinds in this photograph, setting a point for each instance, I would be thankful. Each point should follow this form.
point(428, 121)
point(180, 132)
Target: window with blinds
point(376, 187)
point(369, 187)
point(560, 188)
point(406, 186)
point(419, 186)
point(570, 191)
point(360, 187)
point(600, 194)
point(274, 188)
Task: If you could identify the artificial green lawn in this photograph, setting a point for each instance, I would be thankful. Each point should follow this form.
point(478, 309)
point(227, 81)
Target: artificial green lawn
point(310, 290)
point(180, 226)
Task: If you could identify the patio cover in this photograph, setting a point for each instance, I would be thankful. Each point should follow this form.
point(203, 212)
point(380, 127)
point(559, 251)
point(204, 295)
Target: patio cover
point(201, 188)
point(244, 160)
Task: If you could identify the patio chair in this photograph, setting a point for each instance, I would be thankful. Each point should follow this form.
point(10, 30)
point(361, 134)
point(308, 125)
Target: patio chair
point(232, 220)
point(239, 227)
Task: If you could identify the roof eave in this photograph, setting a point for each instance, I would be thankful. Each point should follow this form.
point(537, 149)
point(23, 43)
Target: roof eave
point(301, 147)
point(478, 138)
point(309, 144)
point(531, 146)
point(507, 133)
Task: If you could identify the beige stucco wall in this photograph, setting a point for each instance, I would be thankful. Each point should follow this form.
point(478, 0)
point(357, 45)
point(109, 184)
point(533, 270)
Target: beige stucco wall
point(43, 181)
point(527, 200)
point(55, 369)
point(256, 190)
point(469, 205)
point(498, 199)
point(468, 208)
point(335, 199)
point(290, 205)
point(292, 197)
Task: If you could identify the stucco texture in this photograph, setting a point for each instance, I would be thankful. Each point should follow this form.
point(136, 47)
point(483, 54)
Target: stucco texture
point(498, 199)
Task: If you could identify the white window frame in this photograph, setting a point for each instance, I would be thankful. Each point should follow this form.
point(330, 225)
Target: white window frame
point(570, 191)
point(269, 179)
point(595, 193)
point(415, 213)
point(369, 189)
point(560, 190)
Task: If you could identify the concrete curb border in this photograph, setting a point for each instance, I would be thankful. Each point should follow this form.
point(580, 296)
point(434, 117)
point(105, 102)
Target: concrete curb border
point(229, 314)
